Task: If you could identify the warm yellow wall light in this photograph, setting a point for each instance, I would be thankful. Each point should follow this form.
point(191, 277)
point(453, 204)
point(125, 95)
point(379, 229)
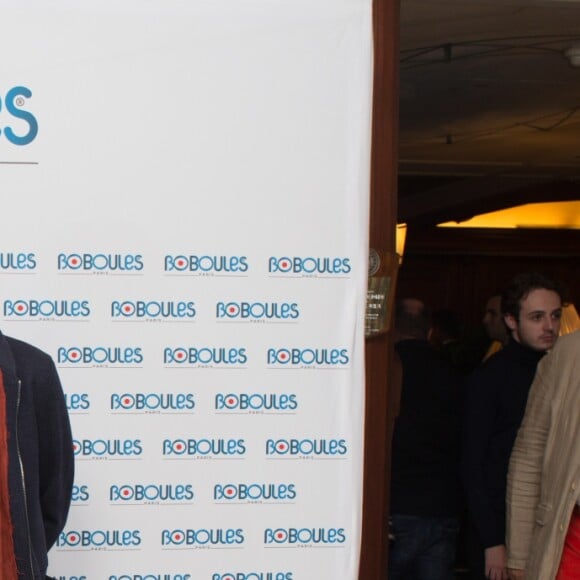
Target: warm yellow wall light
point(401, 236)
point(561, 214)
point(570, 320)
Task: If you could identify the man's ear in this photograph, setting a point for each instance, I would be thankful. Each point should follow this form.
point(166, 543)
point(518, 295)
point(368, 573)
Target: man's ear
point(510, 321)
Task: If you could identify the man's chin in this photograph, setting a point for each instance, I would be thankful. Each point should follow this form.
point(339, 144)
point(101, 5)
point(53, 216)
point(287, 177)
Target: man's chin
point(547, 342)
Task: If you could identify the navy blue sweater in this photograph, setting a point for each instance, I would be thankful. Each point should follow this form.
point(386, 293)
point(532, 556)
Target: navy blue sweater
point(495, 402)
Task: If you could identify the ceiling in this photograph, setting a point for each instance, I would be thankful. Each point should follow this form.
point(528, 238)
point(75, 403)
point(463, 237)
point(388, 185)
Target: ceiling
point(489, 106)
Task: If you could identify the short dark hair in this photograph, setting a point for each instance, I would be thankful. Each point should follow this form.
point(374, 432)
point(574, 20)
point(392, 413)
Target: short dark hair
point(521, 285)
point(412, 322)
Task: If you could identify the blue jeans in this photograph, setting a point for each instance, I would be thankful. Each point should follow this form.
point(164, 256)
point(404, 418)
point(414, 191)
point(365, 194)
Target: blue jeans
point(422, 548)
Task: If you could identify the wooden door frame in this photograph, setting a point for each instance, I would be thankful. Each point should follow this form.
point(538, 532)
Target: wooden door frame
point(380, 403)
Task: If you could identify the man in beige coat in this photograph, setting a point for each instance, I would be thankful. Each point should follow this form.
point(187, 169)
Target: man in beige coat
point(544, 474)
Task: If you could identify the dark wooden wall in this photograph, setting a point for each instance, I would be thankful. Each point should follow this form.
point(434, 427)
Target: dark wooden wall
point(460, 269)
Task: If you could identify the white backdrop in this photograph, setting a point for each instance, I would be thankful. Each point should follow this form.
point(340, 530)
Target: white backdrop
point(185, 206)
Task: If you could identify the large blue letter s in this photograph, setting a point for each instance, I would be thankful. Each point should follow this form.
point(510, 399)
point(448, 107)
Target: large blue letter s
point(12, 108)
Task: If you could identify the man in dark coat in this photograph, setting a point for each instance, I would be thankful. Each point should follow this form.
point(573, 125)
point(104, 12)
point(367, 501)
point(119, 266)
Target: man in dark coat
point(495, 402)
point(425, 487)
point(36, 460)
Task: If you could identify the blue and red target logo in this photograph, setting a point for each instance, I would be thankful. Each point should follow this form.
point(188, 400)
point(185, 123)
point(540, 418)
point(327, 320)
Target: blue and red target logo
point(152, 402)
point(306, 447)
point(148, 493)
point(46, 308)
point(253, 576)
point(102, 263)
point(281, 447)
point(206, 264)
point(257, 311)
point(205, 356)
point(203, 537)
point(254, 492)
point(256, 402)
point(204, 447)
point(100, 355)
point(117, 448)
point(304, 536)
point(308, 357)
point(309, 266)
point(99, 539)
point(153, 309)
point(177, 537)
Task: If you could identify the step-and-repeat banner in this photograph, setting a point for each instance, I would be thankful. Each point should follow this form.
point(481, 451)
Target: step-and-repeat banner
point(184, 229)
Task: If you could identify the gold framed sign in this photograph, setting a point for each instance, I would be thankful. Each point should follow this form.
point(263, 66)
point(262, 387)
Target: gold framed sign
point(382, 277)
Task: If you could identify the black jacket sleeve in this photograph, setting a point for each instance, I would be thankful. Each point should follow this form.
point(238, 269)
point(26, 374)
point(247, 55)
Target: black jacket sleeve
point(478, 424)
point(56, 458)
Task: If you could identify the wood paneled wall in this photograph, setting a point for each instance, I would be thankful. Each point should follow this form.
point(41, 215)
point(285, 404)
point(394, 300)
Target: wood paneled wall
point(460, 269)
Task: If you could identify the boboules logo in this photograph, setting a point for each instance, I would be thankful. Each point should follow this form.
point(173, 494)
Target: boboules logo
point(153, 403)
point(46, 309)
point(18, 262)
point(98, 263)
point(205, 265)
point(100, 356)
point(117, 449)
point(14, 108)
point(205, 357)
point(252, 576)
point(77, 402)
point(80, 494)
point(256, 403)
point(254, 492)
point(111, 540)
point(151, 576)
point(307, 358)
point(309, 266)
point(306, 448)
point(304, 537)
point(151, 494)
point(157, 310)
point(203, 448)
point(207, 538)
point(257, 312)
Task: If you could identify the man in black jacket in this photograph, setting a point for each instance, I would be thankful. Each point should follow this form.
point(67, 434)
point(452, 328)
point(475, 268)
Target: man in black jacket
point(36, 460)
point(495, 402)
point(425, 487)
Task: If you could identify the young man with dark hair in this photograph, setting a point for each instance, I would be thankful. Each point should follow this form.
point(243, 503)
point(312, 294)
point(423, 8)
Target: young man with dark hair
point(496, 396)
point(530, 328)
point(36, 460)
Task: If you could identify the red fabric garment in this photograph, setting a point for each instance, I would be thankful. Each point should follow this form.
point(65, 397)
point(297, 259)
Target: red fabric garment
point(570, 563)
point(8, 569)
